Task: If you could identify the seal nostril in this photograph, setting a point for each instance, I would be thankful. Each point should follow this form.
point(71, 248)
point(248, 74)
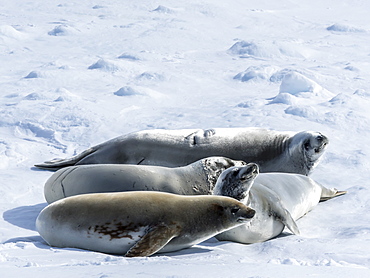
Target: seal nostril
point(251, 213)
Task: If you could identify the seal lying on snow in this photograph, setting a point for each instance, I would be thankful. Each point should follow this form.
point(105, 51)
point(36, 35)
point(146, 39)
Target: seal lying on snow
point(197, 178)
point(278, 198)
point(138, 223)
point(274, 151)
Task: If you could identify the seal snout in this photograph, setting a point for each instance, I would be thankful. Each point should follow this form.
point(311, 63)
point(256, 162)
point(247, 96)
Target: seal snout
point(251, 212)
point(322, 141)
point(246, 215)
point(248, 172)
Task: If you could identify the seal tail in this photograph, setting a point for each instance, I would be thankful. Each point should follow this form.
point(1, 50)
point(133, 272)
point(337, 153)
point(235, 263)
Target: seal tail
point(332, 193)
point(57, 163)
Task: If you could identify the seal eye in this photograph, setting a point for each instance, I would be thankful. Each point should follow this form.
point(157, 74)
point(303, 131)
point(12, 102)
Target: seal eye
point(307, 146)
point(319, 138)
point(235, 210)
point(235, 172)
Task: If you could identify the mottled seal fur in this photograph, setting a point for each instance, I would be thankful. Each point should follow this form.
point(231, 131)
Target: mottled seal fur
point(138, 223)
point(274, 151)
point(198, 178)
point(278, 198)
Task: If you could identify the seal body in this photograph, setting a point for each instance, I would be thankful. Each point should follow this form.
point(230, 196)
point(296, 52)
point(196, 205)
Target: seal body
point(197, 178)
point(274, 151)
point(278, 198)
point(138, 223)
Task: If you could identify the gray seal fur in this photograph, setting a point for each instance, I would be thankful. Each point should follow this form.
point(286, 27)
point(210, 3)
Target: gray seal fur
point(198, 178)
point(278, 198)
point(274, 151)
point(138, 223)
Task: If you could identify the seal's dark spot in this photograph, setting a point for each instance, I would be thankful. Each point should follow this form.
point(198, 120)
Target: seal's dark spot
point(219, 210)
point(115, 230)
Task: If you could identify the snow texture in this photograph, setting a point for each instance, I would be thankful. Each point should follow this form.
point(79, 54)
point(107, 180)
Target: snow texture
point(77, 73)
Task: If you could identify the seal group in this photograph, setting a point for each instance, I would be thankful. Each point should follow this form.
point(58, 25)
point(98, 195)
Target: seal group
point(245, 205)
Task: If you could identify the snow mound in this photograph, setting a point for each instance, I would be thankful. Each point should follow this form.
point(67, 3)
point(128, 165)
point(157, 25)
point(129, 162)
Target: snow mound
point(344, 28)
point(308, 112)
point(300, 93)
point(34, 96)
point(127, 56)
point(151, 76)
point(96, 7)
point(138, 91)
point(340, 99)
point(352, 68)
point(163, 9)
point(30, 129)
point(11, 32)
point(62, 30)
point(64, 95)
point(33, 74)
point(246, 49)
point(279, 75)
point(359, 101)
point(256, 72)
point(285, 98)
point(362, 93)
point(104, 65)
point(126, 91)
point(271, 49)
point(297, 84)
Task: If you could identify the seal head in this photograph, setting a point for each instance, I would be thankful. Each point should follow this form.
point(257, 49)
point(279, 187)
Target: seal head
point(236, 181)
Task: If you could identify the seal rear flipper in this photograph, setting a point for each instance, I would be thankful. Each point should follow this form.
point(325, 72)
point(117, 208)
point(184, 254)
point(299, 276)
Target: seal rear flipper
point(56, 164)
point(153, 241)
point(328, 194)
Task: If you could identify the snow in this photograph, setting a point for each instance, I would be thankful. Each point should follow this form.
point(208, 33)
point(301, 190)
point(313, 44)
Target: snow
point(77, 73)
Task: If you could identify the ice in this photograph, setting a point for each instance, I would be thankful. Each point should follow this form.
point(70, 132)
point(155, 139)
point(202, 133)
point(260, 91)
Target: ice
point(75, 74)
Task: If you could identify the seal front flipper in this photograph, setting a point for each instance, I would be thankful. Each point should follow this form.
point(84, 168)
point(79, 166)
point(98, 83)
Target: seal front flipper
point(286, 218)
point(153, 241)
point(280, 213)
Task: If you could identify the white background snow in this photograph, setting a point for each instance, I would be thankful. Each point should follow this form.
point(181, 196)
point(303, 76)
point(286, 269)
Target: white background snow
point(76, 73)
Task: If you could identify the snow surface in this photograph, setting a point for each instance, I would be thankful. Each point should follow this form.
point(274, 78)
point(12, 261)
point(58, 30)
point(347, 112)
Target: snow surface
point(77, 73)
